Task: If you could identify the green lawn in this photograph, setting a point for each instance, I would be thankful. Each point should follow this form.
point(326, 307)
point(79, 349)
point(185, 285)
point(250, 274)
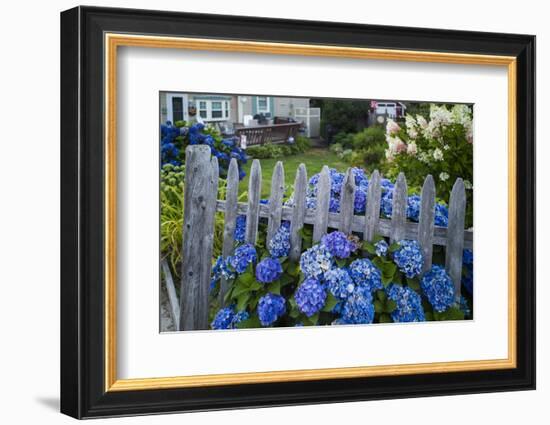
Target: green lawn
point(314, 159)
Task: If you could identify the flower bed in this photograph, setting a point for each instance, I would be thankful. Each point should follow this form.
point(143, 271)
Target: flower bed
point(175, 137)
point(339, 280)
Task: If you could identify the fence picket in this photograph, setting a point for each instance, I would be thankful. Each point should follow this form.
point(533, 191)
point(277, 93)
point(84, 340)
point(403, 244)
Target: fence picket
point(399, 209)
point(347, 199)
point(298, 213)
point(208, 244)
point(230, 218)
point(276, 200)
point(171, 292)
point(254, 193)
point(199, 202)
point(426, 221)
point(372, 213)
point(322, 207)
point(455, 235)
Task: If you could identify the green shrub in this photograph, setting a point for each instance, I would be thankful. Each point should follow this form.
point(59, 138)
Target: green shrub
point(336, 148)
point(269, 150)
point(344, 139)
point(369, 137)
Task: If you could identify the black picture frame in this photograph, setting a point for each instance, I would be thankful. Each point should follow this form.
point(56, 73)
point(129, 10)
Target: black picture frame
point(83, 392)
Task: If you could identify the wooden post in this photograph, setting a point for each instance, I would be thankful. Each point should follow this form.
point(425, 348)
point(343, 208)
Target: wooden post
point(275, 201)
point(254, 193)
point(372, 212)
point(399, 209)
point(230, 218)
point(323, 204)
point(298, 213)
point(426, 221)
point(198, 219)
point(455, 235)
point(347, 200)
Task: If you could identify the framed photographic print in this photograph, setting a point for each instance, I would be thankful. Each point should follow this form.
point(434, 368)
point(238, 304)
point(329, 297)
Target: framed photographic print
point(261, 212)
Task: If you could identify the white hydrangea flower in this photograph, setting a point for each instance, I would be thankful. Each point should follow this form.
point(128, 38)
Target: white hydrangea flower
point(412, 149)
point(392, 127)
point(422, 121)
point(444, 176)
point(446, 147)
point(468, 185)
point(410, 122)
point(438, 154)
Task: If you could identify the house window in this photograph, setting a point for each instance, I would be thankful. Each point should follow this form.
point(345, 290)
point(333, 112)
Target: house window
point(217, 111)
point(177, 109)
point(263, 104)
point(203, 111)
point(213, 110)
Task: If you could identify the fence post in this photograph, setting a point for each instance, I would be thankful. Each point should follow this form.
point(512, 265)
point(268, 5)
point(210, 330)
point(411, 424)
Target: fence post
point(198, 218)
point(426, 221)
point(298, 212)
point(323, 204)
point(455, 235)
point(275, 201)
point(372, 213)
point(253, 211)
point(347, 200)
point(230, 218)
point(399, 209)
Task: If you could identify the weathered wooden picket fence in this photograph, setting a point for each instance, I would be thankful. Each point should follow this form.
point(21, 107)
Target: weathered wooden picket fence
point(201, 204)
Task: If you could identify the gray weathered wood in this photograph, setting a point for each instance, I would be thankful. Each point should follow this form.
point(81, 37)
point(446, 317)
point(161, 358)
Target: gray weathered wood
point(276, 200)
point(254, 193)
point(230, 219)
point(208, 244)
point(199, 202)
point(322, 208)
point(426, 221)
point(298, 213)
point(347, 198)
point(399, 209)
point(455, 235)
point(171, 291)
point(358, 224)
point(372, 212)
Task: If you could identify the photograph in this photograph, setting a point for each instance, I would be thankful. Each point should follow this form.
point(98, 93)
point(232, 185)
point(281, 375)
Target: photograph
point(306, 211)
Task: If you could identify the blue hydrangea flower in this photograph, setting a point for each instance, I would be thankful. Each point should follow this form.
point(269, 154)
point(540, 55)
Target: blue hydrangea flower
point(226, 318)
point(441, 215)
point(338, 244)
point(358, 308)
point(386, 203)
point(220, 269)
point(310, 296)
point(360, 200)
point(409, 258)
point(438, 288)
point(468, 270)
point(334, 205)
point(365, 274)
point(339, 283)
point(413, 207)
point(316, 261)
point(465, 307)
point(279, 245)
point(409, 304)
point(243, 256)
point(381, 248)
point(268, 270)
point(240, 228)
point(270, 308)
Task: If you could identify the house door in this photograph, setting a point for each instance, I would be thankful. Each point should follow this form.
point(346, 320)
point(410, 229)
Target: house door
point(176, 106)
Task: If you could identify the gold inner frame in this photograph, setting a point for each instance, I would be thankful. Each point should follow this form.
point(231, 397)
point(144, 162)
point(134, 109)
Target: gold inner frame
point(113, 41)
